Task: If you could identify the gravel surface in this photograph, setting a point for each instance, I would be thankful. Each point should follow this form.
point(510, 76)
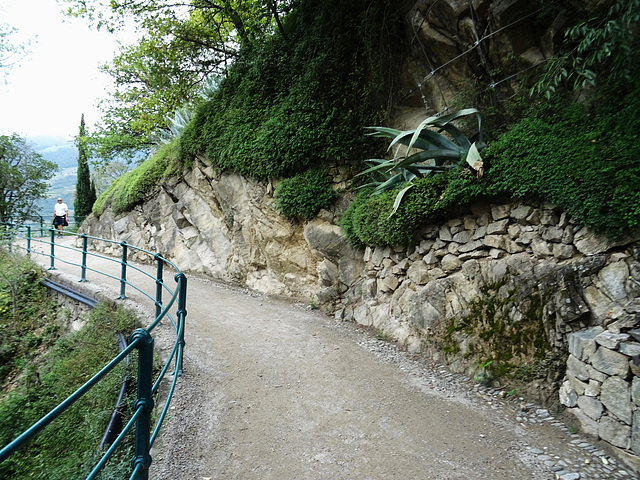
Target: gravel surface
point(274, 390)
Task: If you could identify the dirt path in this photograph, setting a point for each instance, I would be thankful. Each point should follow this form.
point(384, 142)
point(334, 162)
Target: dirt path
point(273, 390)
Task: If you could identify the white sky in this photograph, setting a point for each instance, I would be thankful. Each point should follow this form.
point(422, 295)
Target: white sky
point(58, 81)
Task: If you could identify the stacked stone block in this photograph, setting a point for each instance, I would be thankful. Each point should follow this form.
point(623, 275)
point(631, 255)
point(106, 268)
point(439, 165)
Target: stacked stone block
point(602, 386)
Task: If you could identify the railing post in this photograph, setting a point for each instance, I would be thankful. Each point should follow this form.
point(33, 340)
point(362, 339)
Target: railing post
point(142, 459)
point(182, 315)
point(123, 272)
point(83, 268)
point(159, 283)
point(28, 239)
point(53, 253)
point(41, 226)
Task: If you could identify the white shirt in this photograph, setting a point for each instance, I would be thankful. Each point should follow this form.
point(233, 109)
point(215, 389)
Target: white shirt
point(61, 209)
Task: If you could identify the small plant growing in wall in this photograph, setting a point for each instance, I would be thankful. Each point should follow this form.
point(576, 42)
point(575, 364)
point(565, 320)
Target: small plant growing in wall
point(485, 376)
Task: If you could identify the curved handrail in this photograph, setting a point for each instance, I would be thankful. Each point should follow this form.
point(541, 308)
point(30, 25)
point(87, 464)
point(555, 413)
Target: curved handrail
point(19, 236)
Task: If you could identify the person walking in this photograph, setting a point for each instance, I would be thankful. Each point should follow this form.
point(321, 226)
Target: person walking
point(60, 216)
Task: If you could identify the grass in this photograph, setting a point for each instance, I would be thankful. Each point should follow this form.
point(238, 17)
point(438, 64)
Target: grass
point(41, 365)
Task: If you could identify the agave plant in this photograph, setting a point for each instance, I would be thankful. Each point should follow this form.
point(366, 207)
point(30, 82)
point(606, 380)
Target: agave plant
point(210, 86)
point(426, 152)
point(181, 117)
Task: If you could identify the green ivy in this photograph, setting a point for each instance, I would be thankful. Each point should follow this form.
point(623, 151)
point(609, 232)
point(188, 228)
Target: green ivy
point(297, 103)
point(303, 195)
point(369, 219)
point(584, 161)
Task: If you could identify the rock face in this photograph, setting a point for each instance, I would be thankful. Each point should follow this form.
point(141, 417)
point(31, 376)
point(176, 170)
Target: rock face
point(226, 227)
point(493, 41)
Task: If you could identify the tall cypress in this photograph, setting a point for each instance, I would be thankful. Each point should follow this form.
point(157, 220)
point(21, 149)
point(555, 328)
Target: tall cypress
point(85, 195)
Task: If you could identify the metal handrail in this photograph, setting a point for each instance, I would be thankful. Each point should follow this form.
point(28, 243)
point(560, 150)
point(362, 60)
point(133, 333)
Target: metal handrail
point(40, 226)
point(141, 339)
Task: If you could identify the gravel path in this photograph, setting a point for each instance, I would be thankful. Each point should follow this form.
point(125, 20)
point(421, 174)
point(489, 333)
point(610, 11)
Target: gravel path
point(273, 390)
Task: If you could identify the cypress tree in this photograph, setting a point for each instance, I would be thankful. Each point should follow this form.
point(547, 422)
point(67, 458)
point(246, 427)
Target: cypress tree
point(85, 194)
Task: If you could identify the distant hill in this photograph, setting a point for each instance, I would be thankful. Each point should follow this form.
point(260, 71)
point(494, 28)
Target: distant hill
point(62, 152)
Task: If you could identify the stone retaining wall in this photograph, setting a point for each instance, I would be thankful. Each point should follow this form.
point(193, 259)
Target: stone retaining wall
point(539, 279)
point(602, 386)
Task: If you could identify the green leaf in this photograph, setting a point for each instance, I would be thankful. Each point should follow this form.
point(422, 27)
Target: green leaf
point(399, 198)
point(390, 184)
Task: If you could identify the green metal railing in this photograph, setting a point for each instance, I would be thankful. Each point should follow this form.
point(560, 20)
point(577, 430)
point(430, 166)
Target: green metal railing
point(140, 423)
point(40, 225)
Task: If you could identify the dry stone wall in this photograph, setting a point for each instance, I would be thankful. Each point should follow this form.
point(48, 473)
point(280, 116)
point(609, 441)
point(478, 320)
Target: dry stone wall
point(602, 386)
point(524, 288)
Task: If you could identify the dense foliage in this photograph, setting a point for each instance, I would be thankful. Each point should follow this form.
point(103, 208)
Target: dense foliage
point(178, 46)
point(602, 45)
point(579, 157)
point(23, 177)
point(297, 101)
point(304, 195)
point(27, 317)
point(40, 366)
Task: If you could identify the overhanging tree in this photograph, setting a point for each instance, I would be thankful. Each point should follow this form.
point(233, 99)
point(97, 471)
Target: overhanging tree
point(85, 190)
point(23, 178)
point(180, 46)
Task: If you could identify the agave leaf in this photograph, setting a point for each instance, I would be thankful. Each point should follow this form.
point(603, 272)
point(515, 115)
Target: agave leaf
point(442, 120)
point(390, 184)
point(370, 184)
point(399, 198)
point(437, 155)
point(436, 138)
point(474, 159)
point(397, 136)
point(402, 138)
point(425, 138)
point(384, 132)
point(459, 137)
point(416, 171)
point(446, 119)
point(376, 160)
point(381, 165)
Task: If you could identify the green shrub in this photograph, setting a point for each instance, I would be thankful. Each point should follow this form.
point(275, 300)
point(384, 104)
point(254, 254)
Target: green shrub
point(27, 315)
point(303, 195)
point(368, 220)
point(135, 186)
point(584, 161)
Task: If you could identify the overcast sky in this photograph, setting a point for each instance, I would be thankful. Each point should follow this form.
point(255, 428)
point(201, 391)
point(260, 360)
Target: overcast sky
point(58, 81)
